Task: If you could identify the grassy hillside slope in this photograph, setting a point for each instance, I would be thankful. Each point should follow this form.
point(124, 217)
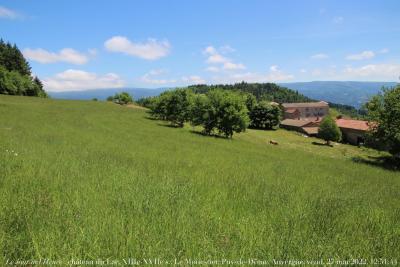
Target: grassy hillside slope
point(92, 180)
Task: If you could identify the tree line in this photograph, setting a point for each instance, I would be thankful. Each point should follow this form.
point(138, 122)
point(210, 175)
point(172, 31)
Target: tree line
point(15, 73)
point(276, 93)
point(217, 111)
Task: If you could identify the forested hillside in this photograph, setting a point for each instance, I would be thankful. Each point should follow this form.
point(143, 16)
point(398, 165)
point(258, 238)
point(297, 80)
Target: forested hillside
point(15, 73)
point(262, 91)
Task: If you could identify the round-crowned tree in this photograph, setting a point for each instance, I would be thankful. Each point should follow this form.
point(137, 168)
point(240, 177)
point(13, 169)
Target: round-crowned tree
point(265, 116)
point(329, 131)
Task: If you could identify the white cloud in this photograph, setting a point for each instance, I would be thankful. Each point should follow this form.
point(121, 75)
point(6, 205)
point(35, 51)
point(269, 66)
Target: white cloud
point(193, 79)
point(150, 78)
point(374, 71)
point(320, 56)
point(233, 66)
point(68, 55)
point(76, 80)
point(338, 20)
point(6, 13)
point(150, 50)
point(303, 70)
point(273, 68)
point(210, 50)
point(361, 56)
point(215, 57)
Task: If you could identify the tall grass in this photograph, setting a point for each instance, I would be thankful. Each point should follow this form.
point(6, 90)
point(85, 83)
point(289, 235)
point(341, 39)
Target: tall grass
point(89, 180)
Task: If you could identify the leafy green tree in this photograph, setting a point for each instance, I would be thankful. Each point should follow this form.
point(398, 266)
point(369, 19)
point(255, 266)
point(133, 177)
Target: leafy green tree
point(200, 113)
point(384, 116)
point(121, 98)
point(265, 116)
point(158, 106)
point(174, 106)
point(329, 131)
point(251, 101)
point(15, 73)
point(224, 112)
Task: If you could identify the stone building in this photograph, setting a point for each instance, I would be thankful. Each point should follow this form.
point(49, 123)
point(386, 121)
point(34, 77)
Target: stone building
point(305, 111)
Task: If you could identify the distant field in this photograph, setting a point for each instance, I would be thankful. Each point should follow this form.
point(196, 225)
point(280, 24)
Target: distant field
point(89, 180)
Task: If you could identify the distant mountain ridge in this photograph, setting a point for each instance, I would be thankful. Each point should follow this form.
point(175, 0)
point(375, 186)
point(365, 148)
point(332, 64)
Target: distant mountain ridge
point(102, 94)
point(351, 93)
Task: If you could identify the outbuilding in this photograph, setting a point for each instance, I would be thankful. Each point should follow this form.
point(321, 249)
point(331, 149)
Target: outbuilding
point(353, 131)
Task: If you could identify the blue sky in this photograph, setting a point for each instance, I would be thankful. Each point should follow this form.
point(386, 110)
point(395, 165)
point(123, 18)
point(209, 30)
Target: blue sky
point(75, 45)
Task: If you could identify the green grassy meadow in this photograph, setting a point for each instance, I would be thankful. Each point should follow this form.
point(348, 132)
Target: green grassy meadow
point(89, 180)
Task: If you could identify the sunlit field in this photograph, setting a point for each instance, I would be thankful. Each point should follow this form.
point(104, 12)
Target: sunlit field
point(89, 180)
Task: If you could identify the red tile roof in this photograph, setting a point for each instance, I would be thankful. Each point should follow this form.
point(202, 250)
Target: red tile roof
point(291, 110)
point(295, 123)
point(353, 124)
point(305, 105)
point(310, 130)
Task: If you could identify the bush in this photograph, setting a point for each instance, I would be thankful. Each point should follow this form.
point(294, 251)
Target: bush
point(265, 116)
point(329, 131)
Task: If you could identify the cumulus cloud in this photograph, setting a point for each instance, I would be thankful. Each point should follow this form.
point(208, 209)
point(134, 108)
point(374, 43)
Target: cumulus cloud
point(150, 50)
point(215, 57)
point(374, 71)
point(233, 66)
point(361, 56)
point(151, 78)
point(6, 13)
point(76, 80)
point(320, 56)
point(67, 55)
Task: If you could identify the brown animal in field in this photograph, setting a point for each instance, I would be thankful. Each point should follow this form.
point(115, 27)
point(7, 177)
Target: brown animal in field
point(273, 142)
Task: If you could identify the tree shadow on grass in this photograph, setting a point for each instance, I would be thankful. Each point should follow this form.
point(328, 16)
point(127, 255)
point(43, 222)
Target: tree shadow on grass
point(321, 144)
point(384, 162)
point(209, 135)
point(168, 125)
